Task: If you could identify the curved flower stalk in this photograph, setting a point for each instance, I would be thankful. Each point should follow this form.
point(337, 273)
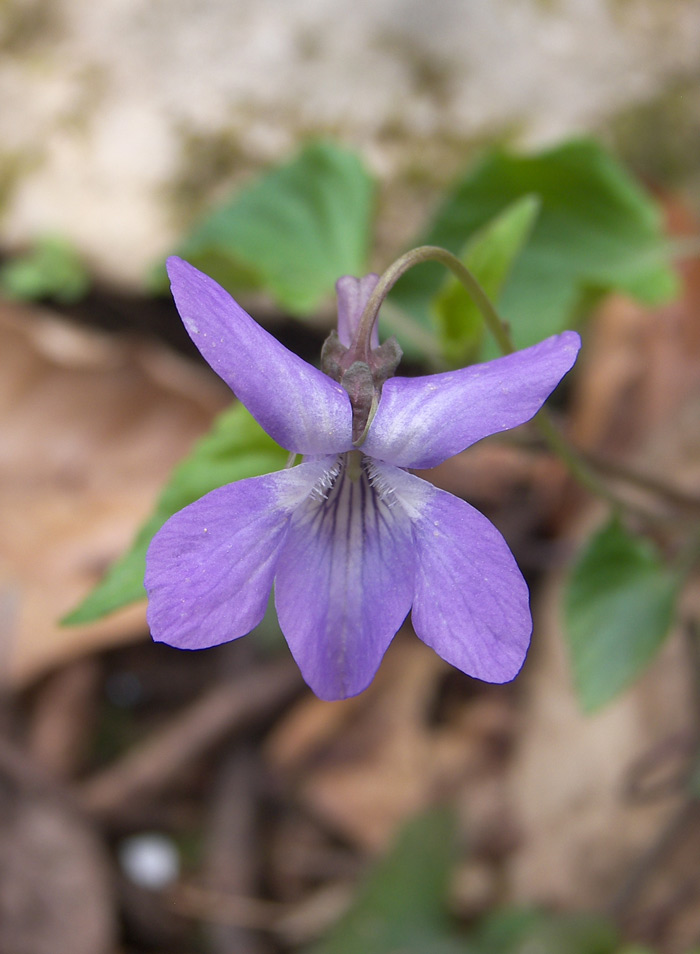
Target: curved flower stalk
point(351, 540)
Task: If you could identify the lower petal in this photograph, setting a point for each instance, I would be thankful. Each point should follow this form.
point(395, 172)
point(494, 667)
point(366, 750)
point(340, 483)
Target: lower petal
point(471, 602)
point(210, 567)
point(344, 583)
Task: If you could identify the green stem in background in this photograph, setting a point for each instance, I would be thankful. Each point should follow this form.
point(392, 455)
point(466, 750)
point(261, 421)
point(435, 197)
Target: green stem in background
point(586, 474)
point(687, 505)
point(576, 464)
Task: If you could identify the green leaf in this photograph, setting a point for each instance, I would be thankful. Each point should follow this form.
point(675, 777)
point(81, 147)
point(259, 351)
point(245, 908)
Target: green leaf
point(619, 606)
point(490, 255)
point(402, 905)
point(597, 231)
point(235, 447)
point(293, 232)
point(52, 269)
point(501, 930)
point(522, 931)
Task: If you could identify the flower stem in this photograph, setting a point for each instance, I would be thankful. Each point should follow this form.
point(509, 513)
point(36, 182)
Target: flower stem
point(432, 253)
point(576, 464)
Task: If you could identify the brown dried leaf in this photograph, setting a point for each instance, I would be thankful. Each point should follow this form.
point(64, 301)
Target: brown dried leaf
point(637, 398)
point(89, 429)
point(638, 370)
point(367, 764)
point(568, 782)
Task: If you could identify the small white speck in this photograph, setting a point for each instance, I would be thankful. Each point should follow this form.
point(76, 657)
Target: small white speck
point(150, 860)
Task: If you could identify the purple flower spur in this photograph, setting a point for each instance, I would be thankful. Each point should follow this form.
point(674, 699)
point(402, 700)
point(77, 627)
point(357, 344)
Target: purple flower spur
point(349, 537)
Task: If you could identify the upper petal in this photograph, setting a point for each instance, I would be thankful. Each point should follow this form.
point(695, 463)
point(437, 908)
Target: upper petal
point(353, 294)
point(299, 407)
point(471, 602)
point(420, 422)
point(210, 567)
point(344, 584)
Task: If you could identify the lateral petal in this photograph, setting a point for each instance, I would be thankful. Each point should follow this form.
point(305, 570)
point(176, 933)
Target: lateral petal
point(210, 567)
point(299, 406)
point(344, 584)
point(471, 603)
point(420, 422)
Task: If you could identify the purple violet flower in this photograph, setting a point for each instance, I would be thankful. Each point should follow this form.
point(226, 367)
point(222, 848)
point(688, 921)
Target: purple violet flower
point(350, 538)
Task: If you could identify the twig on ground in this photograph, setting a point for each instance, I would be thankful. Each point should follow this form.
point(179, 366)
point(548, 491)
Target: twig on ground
point(157, 761)
point(232, 851)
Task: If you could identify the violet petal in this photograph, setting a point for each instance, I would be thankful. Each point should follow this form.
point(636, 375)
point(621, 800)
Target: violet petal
point(210, 567)
point(344, 584)
point(420, 422)
point(471, 602)
point(353, 294)
point(299, 407)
